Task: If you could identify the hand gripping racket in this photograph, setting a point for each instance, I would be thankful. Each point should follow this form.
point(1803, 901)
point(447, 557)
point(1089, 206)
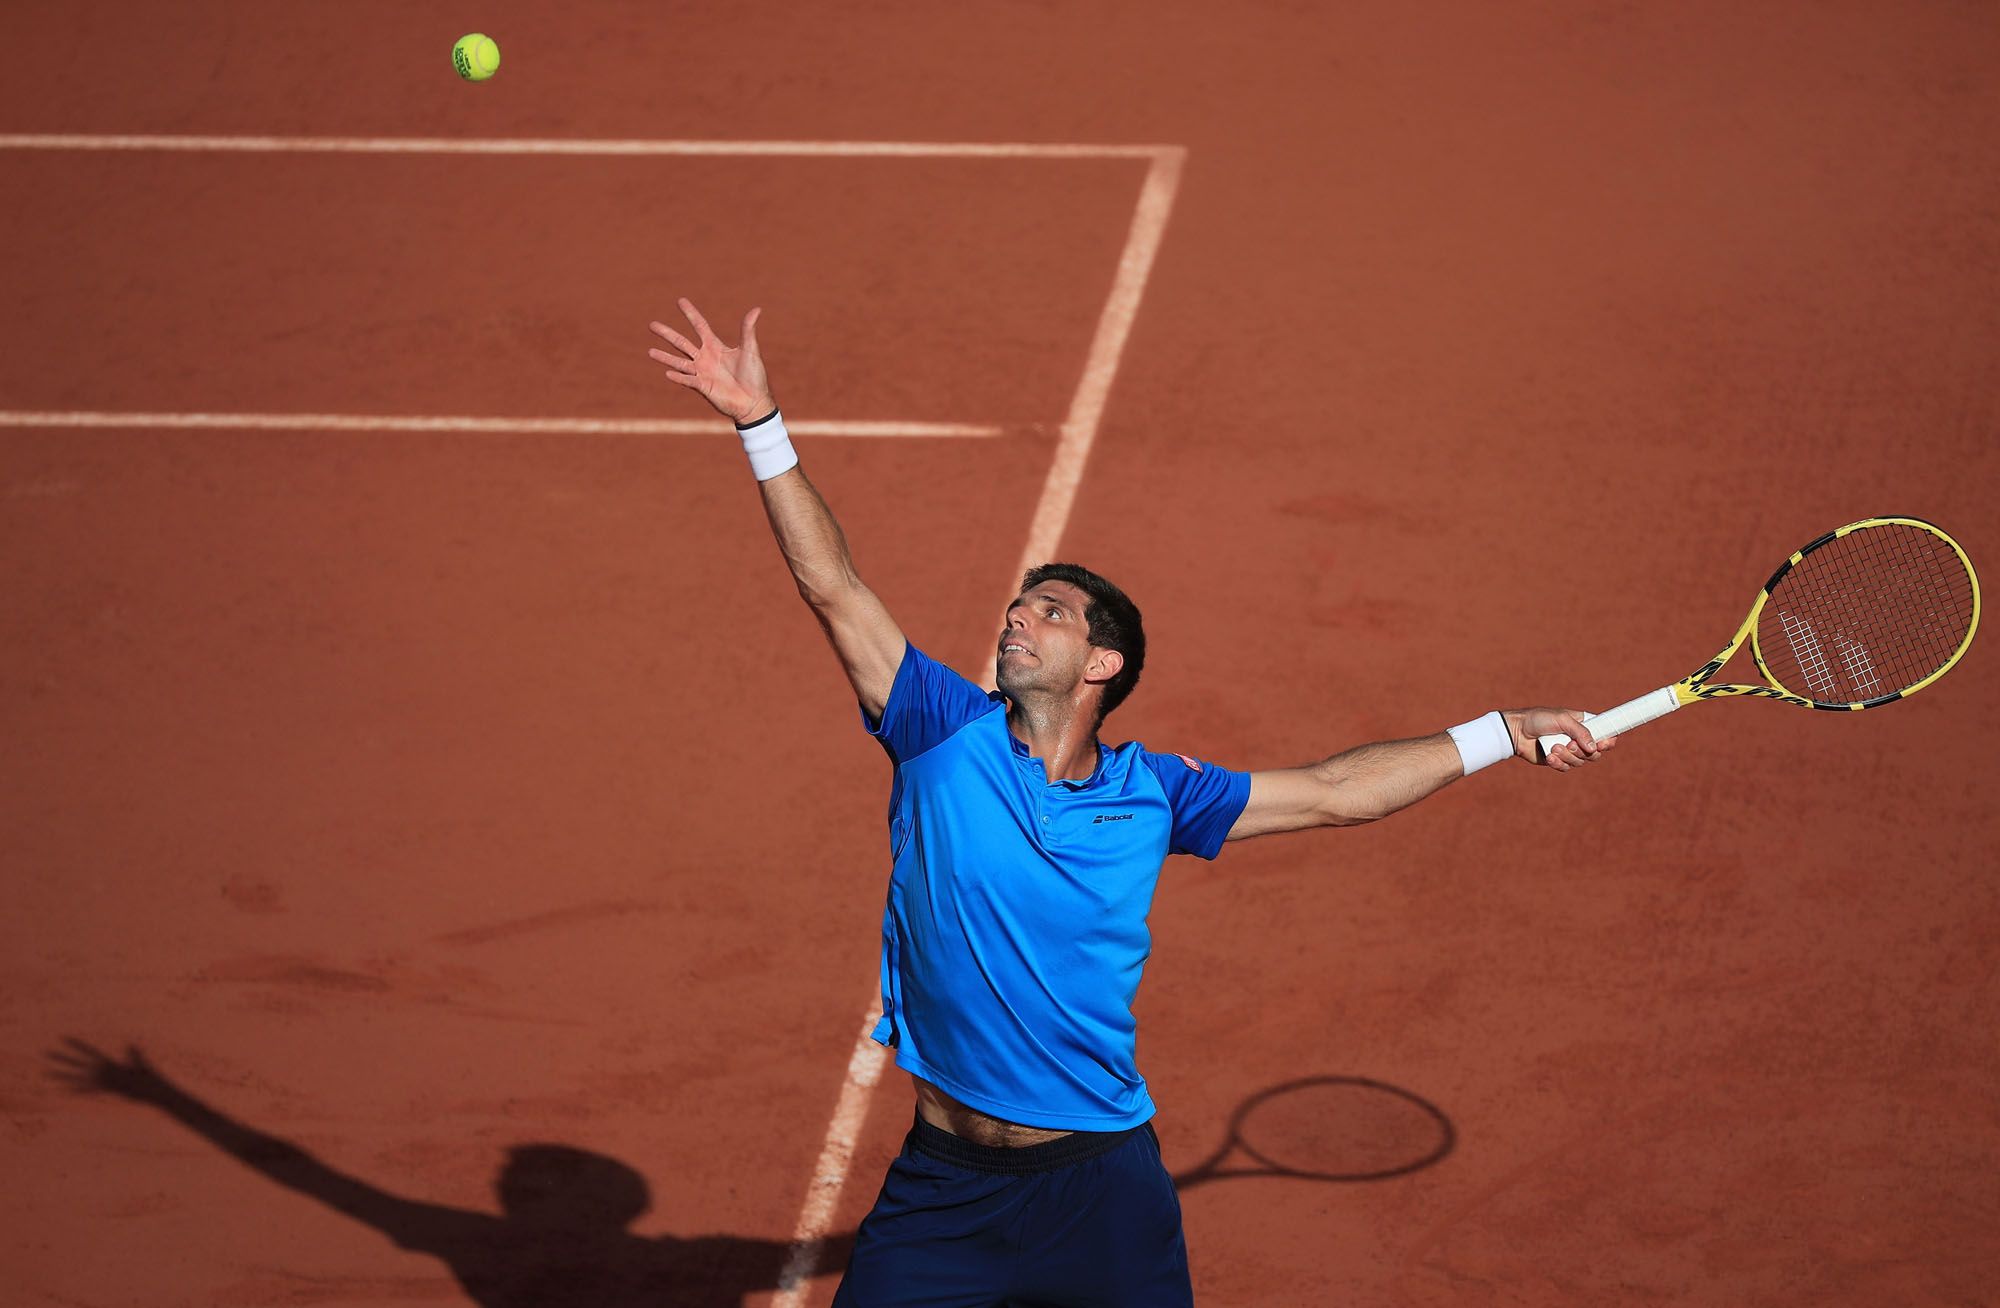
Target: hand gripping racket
point(1862, 617)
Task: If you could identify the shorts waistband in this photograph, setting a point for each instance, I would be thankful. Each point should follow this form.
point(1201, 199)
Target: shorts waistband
point(1050, 1155)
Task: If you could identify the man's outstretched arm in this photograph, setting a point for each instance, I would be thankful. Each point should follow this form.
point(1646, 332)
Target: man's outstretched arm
point(1372, 781)
point(866, 638)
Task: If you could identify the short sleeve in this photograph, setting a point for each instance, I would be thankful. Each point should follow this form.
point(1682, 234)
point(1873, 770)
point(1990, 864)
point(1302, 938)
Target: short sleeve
point(1206, 801)
point(928, 703)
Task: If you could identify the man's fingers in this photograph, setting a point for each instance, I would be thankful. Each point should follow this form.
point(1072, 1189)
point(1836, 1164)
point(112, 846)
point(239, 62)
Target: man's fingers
point(675, 339)
point(1570, 723)
point(700, 323)
point(674, 361)
point(686, 379)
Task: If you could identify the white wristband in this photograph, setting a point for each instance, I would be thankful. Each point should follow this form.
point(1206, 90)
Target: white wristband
point(769, 446)
point(1483, 741)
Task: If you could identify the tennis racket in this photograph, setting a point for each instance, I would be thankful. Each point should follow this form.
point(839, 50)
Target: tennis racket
point(1862, 617)
point(1327, 1128)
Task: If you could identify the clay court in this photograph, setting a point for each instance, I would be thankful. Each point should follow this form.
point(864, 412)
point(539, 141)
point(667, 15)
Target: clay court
point(415, 746)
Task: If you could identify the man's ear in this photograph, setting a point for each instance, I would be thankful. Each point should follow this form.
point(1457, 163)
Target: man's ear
point(1102, 665)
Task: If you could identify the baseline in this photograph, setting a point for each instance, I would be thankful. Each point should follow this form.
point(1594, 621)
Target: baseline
point(529, 145)
point(413, 422)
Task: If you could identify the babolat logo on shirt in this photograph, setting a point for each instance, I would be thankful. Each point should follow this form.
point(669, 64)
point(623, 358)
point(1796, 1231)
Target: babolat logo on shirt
point(1111, 817)
point(1193, 763)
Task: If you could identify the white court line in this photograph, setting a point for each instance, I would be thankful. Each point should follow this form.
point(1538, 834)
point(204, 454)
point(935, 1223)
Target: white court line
point(414, 422)
point(526, 145)
point(1086, 411)
point(531, 146)
point(836, 1158)
point(1052, 510)
point(1114, 326)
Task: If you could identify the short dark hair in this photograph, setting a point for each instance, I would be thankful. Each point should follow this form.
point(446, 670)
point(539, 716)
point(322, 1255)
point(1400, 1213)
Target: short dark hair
point(1114, 624)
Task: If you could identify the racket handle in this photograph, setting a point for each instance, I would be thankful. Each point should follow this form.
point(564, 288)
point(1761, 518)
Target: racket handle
point(1618, 721)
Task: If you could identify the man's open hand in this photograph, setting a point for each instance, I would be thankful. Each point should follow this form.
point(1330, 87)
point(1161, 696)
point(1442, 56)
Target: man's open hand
point(732, 380)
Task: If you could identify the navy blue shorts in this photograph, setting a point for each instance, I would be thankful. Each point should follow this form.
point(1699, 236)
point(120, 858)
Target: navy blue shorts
point(1087, 1220)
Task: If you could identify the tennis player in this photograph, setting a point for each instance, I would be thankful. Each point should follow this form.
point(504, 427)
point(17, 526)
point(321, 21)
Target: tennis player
point(1025, 855)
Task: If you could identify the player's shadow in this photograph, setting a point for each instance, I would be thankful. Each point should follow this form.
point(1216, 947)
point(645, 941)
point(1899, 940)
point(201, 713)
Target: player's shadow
point(559, 1239)
point(1328, 1128)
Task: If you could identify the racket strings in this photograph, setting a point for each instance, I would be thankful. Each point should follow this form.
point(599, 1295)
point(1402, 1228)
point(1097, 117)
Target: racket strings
point(1868, 614)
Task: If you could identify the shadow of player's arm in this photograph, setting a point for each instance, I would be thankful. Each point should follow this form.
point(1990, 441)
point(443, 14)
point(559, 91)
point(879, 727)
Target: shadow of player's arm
point(707, 1270)
point(408, 1222)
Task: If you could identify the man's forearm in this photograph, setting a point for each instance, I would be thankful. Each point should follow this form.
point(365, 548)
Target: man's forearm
point(1372, 781)
point(733, 380)
point(814, 547)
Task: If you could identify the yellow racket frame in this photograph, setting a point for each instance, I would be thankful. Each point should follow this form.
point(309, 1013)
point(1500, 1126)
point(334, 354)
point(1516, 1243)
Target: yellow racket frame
point(1694, 686)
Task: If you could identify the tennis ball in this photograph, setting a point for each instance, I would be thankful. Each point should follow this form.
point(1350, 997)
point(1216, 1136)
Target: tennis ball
point(475, 56)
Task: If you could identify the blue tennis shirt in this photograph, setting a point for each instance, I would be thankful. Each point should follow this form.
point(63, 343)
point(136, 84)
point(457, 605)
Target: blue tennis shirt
point(1016, 925)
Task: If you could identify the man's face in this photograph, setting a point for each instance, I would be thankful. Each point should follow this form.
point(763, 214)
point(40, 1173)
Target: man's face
point(1045, 643)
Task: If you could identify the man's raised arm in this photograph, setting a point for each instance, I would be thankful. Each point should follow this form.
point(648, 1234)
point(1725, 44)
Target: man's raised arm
point(1372, 781)
point(866, 638)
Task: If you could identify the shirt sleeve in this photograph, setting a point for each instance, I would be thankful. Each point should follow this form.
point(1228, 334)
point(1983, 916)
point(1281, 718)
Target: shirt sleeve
point(928, 703)
point(1206, 801)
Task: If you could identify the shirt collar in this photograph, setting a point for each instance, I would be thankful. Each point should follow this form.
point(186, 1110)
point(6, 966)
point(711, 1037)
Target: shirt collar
point(1103, 752)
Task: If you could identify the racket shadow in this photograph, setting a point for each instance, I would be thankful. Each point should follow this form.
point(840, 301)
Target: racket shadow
point(1328, 1128)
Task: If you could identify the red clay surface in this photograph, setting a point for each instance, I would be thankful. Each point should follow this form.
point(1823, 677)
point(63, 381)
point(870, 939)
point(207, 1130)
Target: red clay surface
point(413, 798)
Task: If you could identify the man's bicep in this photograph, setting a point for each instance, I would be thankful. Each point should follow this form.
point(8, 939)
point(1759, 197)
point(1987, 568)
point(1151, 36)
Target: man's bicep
point(869, 644)
point(1289, 799)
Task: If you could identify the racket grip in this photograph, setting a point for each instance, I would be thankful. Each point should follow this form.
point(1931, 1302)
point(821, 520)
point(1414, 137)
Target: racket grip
point(1616, 722)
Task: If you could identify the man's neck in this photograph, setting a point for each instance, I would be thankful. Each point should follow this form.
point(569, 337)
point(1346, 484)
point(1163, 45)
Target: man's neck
point(1061, 736)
